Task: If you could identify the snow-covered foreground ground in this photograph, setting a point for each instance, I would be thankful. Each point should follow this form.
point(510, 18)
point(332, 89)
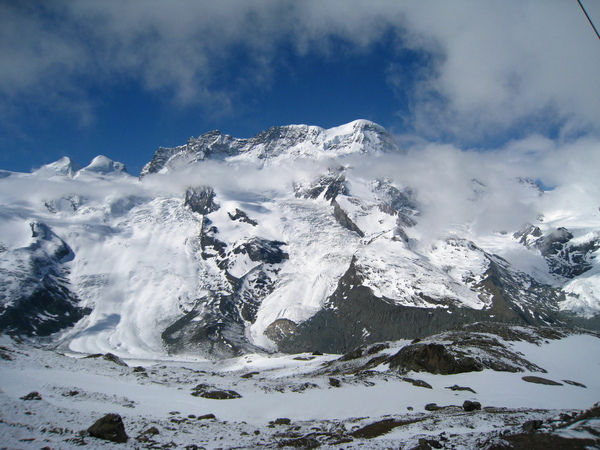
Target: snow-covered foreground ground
point(324, 408)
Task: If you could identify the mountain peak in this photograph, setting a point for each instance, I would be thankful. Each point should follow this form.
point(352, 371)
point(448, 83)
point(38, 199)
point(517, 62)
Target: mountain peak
point(65, 166)
point(104, 166)
point(278, 143)
point(364, 124)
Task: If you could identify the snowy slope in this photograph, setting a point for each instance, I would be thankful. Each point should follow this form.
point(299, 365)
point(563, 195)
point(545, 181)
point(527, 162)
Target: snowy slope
point(317, 404)
point(298, 238)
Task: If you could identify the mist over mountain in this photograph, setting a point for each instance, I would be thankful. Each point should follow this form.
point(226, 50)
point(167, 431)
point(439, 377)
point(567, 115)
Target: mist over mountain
point(297, 239)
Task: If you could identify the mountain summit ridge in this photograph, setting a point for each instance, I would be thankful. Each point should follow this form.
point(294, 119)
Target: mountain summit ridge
point(292, 141)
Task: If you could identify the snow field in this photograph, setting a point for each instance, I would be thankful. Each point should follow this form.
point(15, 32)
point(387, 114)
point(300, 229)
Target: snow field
point(77, 391)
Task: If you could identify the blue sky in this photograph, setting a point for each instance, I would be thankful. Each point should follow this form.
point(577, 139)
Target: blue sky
point(122, 78)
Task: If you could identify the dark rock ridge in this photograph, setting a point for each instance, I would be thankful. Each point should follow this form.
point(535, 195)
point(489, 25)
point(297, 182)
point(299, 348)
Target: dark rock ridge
point(35, 296)
point(471, 348)
point(393, 201)
point(281, 329)
point(354, 316)
point(109, 357)
point(433, 358)
point(330, 185)
point(459, 352)
point(261, 250)
point(342, 217)
point(241, 216)
point(214, 328)
point(396, 202)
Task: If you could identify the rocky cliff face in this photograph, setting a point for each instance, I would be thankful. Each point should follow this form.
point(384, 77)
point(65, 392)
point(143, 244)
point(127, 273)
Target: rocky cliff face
point(354, 315)
point(36, 298)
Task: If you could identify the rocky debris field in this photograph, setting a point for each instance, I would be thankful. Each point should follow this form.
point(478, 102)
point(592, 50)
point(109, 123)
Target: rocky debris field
point(525, 388)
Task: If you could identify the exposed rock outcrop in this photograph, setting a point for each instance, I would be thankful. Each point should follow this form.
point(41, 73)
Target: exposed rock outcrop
point(433, 358)
point(354, 315)
point(201, 200)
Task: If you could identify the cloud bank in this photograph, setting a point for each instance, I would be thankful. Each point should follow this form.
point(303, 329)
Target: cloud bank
point(487, 68)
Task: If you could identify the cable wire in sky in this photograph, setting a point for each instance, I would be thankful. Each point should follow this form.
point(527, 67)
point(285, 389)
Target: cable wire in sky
point(588, 18)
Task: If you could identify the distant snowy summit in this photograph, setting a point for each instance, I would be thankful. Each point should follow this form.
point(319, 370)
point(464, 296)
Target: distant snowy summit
point(100, 165)
point(65, 166)
point(104, 166)
point(278, 144)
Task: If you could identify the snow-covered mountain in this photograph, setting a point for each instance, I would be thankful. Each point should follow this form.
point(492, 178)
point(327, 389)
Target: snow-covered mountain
point(297, 239)
point(277, 145)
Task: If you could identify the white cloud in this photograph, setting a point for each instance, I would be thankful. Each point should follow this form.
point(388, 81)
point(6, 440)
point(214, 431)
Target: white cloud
point(483, 188)
point(502, 63)
point(493, 66)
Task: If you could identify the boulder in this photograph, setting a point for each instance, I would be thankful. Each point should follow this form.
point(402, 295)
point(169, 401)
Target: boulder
point(417, 383)
point(110, 428)
point(32, 396)
point(425, 443)
point(281, 421)
point(432, 407)
point(469, 406)
point(382, 427)
point(249, 375)
point(334, 382)
point(108, 357)
point(220, 394)
point(152, 431)
point(115, 359)
point(456, 387)
point(207, 391)
point(531, 425)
